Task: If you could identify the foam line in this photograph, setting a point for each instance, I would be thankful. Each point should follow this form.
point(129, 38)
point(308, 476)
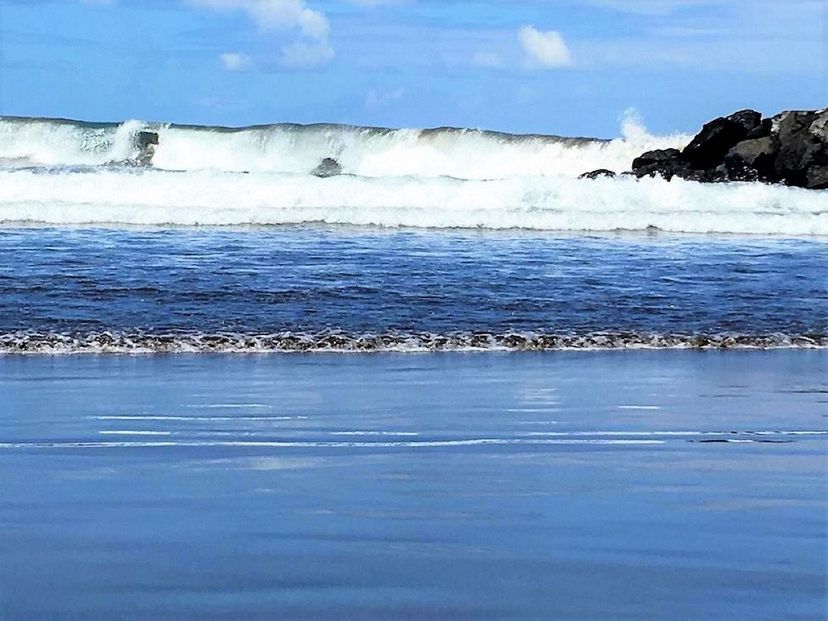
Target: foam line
point(27, 343)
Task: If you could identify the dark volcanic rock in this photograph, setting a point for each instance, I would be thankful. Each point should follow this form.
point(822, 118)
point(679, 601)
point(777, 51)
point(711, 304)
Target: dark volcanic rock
point(143, 139)
point(817, 178)
point(145, 143)
point(790, 148)
point(711, 175)
point(803, 139)
point(717, 137)
point(601, 172)
point(752, 160)
point(749, 120)
point(328, 167)
point(664, 162)
point(761, 131)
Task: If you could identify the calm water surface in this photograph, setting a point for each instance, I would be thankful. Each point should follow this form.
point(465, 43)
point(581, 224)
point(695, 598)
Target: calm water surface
point(616, 485)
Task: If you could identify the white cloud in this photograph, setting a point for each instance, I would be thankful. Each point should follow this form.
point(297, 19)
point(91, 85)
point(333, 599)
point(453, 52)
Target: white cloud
point(236, 61)
point(310, 51)
point(379, 99)
point(304, 54)
point(275, 14)
point(492, 60)
point(544, 49)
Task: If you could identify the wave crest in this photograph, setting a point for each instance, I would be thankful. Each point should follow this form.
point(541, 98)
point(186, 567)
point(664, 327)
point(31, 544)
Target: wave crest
point(290, 148)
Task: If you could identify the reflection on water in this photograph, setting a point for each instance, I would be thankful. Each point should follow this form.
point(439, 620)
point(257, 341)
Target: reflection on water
point(568, 485)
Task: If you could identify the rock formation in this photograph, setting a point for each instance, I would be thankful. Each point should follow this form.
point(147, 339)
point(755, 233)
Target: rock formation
point(145, 143)
point(328, 167)
point(790, 148)
point(601, 172)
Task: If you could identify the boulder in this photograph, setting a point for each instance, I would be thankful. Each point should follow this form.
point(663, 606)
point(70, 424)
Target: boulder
point(762, 130)
point(749, 120)
point(144, 139)
point(819, 127)
point(664, 162)
point(711, 144)
point(817, 178)
point(790, 148)
point(803, 145)
point(711, 175)
point(752, 160)
point(601, 172)
point(145, 143)
point(328, 167)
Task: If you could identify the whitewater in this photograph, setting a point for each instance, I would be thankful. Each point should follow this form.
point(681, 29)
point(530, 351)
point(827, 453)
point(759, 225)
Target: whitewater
point(62, 172)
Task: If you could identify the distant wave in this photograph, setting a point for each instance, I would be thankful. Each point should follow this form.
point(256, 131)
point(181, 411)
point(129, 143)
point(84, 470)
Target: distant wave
point(145, 343)
point(67, 172)
point(298, 149)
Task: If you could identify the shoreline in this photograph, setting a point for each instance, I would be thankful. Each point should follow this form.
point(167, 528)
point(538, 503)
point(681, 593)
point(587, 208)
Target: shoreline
point(314, 350)
point(301, 480)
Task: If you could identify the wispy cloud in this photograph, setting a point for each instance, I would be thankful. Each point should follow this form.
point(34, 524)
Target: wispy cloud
point(491, 60)
point(547, 50)
point(275, 14)
point(312, 49)
point(305, 54)
point(379, 98)
point(236, 61)
point(652, 7)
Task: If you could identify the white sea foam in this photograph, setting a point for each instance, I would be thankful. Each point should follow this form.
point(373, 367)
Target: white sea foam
point(33, 343)
point(540, 203)
point(625, 438)
point(323, 444)
point(124, 432)
point(209, 419)
point(55, 172)
point(638, 407)
point(371, 152)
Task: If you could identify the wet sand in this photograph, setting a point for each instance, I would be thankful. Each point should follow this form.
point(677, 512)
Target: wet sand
point(568, 485)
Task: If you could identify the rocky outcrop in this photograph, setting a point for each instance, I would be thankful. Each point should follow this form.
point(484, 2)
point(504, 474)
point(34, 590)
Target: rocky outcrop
point(145, 144)
point(803, 147)
point(790, 148)
point(752, 160)
point(717, 137)
point(666, 163)
point(595, 174)
point(328, 167)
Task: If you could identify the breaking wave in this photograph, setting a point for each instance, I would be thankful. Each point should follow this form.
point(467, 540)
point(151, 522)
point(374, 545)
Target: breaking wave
point(287, 342)
point(298, 149)
point(537, 203)
point(66, 172)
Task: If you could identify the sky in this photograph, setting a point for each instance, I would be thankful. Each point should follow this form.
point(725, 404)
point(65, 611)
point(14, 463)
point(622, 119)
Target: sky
point(569, 67)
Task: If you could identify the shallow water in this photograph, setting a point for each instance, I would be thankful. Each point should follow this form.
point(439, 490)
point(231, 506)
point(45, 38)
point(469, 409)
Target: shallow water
point(567, 485)
point(88, 289)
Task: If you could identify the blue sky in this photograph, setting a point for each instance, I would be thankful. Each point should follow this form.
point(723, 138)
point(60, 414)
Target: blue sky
point(548, 66)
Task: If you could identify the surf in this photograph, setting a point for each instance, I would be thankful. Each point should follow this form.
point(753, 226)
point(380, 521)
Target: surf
point(63, 172)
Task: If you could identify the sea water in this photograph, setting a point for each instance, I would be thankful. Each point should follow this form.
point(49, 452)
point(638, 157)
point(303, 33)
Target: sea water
point(557, 485)
point(455, 381)
point(65, 290)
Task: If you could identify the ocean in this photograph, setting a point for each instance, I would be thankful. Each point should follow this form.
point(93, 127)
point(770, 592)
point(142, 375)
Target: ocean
point(454, 381)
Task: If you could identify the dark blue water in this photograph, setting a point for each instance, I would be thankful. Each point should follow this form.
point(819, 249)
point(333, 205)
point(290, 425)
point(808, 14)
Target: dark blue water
point(547, 485)
point(407, 287)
